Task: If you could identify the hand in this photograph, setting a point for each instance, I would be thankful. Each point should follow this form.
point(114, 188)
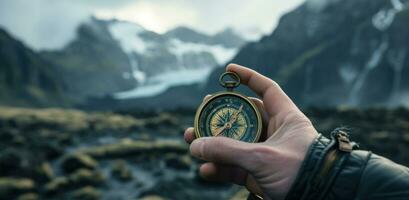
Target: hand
point(270, 167)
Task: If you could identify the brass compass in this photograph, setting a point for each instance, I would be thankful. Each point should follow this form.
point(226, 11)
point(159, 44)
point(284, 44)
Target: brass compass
point(228, 114)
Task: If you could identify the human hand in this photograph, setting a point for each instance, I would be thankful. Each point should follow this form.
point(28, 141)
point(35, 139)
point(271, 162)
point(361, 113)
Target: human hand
point(267, 168)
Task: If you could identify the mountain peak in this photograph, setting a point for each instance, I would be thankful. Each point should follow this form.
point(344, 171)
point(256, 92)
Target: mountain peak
point(186, 34)
point(227, 37)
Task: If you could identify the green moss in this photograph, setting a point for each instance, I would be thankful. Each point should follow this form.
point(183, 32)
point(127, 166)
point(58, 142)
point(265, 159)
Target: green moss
point(71, 120)
point(57, 184)
point(87, 193)
point(86, 177)
point(28, 196)
point(129, 147)
point(76, 161)
point(12, 186)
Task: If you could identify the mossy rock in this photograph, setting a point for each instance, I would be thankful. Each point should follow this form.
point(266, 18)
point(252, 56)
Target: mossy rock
point(76, 161)
point(28, 196)
point(129, 147)
point(81, 177)
point(11, 187)
point(44, 172)
point(86, 177)
point(121, 171)
point(164, 119)
point(87, 193)
point(69, 120)
point(56, 185)
point(153, 197)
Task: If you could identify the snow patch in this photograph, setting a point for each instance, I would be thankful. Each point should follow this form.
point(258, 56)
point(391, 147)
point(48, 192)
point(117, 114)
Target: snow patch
point(127, 35)
point(348, 73)
point(377, 56)
point(384, 18)
point(136, 73)
point(160, 83)
point(372, 63)
point(221, 54)
point(397, 5)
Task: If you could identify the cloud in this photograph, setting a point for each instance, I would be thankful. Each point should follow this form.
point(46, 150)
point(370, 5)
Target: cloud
point(43, 24)
point(51, 24)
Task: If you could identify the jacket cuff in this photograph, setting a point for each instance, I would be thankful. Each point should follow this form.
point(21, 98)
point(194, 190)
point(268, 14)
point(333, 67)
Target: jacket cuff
point(320, 170)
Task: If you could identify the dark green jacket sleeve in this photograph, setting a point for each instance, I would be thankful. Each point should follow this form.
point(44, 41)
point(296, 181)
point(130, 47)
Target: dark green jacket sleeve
point(382, 179)
point(353, 174)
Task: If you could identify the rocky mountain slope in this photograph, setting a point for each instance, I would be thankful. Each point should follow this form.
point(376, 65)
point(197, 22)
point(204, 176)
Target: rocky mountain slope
point(331, 52)
point(93, 63)
point(25, 78)
point(111, 56)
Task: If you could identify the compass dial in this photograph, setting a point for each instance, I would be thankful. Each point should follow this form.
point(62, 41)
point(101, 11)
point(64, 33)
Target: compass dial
point(230, 115)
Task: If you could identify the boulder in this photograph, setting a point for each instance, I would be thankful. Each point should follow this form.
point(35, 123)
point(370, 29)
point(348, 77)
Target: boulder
point(76, 161)
point(56, 185)
point(128, 147)
point(163, 119)
point(121, 171)
point(84, 177)
point(44, 172)
point(153, 197)
point(11, 187)
point(81, 177)
point(28, 196)
point(87, 193)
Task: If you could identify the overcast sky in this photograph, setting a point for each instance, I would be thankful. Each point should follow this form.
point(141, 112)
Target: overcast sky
point(50, 24)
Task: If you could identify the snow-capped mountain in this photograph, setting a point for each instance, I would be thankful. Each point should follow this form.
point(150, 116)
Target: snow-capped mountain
point(128, 61)
point(323, 53)
point(179, 57)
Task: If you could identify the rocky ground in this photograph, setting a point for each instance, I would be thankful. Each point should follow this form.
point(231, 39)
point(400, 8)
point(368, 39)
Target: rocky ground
point(70, 154)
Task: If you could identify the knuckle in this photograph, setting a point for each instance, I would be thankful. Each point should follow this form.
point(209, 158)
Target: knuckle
point(296, 117)
point(274, 84)
point(272, 88)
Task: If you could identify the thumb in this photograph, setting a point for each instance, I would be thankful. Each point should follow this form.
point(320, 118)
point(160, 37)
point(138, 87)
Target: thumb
point(222, 150)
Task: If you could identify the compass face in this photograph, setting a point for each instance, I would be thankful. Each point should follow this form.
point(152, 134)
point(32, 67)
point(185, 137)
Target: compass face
point(230, 115)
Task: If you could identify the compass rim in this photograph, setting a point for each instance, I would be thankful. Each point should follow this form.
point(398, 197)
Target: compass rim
point(227, 93)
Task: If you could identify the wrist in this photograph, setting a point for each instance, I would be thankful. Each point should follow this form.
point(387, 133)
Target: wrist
point(322, 163)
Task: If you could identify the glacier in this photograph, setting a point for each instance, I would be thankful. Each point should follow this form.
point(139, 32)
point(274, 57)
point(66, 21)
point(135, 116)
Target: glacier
point(134, 46)
point(160, 83)
point(127, 35)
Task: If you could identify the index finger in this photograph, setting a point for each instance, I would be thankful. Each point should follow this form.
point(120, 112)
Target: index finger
point(274, 98)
